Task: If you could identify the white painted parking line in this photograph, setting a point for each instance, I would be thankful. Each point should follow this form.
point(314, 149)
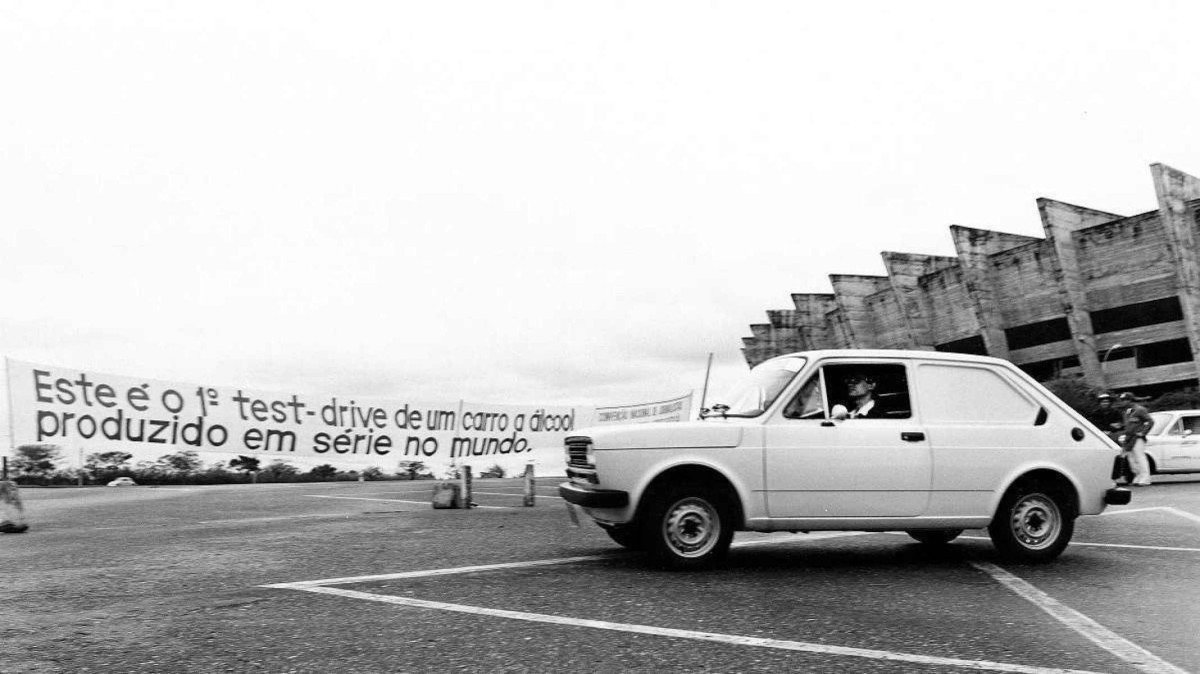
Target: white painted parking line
point(1183, 513)
point(395, 500)
point(305, 584)
point(179, 523)
point(731, 639)
point(792, 538)
point(800, 538)
point(1122, 648)
point(1090, 629)
point(1128, 546)
point(1174, 511)
point(273, 519)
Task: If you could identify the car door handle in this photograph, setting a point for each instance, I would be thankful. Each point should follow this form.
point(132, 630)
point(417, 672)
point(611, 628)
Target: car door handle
point(912, 437)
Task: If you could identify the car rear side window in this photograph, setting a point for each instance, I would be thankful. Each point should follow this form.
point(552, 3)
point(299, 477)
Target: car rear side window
point(966, 394)
point(1187, 424)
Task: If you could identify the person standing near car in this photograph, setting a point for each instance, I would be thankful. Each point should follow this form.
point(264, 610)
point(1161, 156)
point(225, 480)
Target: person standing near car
point(1106, 417)
point(1137, 425)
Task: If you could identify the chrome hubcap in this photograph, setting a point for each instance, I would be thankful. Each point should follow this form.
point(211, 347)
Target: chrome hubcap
point(1036, 521)
point(692, 527)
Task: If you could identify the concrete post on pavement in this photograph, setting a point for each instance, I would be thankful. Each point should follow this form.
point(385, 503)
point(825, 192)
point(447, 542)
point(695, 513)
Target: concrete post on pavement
point(465, 491)
point(529, 493)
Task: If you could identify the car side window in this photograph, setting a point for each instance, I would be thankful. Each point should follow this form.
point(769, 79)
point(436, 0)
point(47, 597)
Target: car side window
point(971, 394)
point(869, 390)
point(809, 403)
point(1190, 424)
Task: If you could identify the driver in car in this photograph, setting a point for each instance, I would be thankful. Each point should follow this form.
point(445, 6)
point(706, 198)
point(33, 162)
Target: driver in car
point(860, 387)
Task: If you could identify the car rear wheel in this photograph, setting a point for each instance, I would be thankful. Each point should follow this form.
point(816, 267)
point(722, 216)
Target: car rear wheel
point(1034, 523)
point(626, 535)
point(935, 536)
point(688, 526)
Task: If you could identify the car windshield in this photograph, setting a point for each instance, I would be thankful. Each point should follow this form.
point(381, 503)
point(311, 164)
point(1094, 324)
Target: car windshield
point(1161, 419)
point(761, 386)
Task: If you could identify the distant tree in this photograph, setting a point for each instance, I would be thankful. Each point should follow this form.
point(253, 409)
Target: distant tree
point(1184, 399)
point(217, 473)
point(180, 462)
point(372, 473)
point(278, 471)
point(246, 464)
point(323, 472)
point(107, 461)
point(35, 460)
point(494, 471)
point(1076, 393)
point(411, 469)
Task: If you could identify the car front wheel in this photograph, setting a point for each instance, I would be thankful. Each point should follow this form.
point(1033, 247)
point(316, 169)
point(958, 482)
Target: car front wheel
point(1032, 524)
point(687, 527)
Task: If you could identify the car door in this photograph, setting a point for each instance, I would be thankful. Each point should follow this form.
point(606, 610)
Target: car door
point(819, 466)
point(982, 425)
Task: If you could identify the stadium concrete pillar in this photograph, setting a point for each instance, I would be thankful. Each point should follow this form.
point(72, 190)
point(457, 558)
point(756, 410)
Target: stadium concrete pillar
point(974, 247)
point(1061, 221)
point(850, 292)
point(1175, 190)
point(752, 351)
point(785, 330)
point(904, 271)
point(812, 322)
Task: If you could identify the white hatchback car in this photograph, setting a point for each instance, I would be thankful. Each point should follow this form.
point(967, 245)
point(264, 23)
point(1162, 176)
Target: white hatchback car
point(123, 482)
point(1173, 443)
point(941, 443)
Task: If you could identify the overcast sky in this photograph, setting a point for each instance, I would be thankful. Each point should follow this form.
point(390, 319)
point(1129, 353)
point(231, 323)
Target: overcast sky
point(532, 202)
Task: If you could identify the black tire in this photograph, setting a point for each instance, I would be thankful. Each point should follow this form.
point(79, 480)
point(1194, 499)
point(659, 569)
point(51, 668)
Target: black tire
point(687, 526)
point(626, 535)
point(935, 536)
point(1034, 522)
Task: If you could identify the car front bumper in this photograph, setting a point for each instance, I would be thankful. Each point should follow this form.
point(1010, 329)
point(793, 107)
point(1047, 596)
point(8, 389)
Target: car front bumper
point(592, 498)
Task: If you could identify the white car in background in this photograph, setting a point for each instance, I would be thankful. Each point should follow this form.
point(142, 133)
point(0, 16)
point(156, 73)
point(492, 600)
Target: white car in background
point(123, 482)
point(1173, 444)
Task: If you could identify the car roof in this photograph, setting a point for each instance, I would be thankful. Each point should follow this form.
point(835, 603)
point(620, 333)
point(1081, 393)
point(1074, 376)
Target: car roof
point(944, 356)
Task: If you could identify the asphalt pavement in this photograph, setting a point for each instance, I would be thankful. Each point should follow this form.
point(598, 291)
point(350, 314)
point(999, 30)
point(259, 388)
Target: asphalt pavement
point(368, 577)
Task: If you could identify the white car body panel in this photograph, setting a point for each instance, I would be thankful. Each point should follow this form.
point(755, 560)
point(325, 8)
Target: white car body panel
point(927, 471)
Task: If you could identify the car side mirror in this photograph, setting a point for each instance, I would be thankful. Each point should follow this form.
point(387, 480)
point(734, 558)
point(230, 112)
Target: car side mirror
point(1187, 432)
point(839, 412)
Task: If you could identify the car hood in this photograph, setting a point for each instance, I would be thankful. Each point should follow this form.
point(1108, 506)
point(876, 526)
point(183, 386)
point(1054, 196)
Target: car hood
point(665, 435)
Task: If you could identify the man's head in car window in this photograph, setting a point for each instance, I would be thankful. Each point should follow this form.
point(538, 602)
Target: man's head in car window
point(859, 384)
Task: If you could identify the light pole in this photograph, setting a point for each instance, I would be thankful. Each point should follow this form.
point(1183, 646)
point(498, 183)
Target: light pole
point(1110, 350)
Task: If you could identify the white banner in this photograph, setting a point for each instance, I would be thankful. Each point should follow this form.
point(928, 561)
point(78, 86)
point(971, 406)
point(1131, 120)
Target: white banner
point(93, 412)
point(676, 409)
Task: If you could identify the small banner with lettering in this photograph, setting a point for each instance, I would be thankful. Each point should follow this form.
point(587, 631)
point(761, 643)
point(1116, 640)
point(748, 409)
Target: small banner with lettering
point(676, 409)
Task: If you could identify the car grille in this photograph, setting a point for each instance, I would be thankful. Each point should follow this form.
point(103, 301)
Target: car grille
point(577, 448)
